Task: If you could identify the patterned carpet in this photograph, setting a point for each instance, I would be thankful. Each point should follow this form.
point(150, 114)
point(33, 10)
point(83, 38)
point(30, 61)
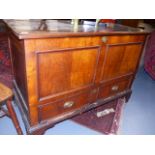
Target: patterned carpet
point(104, 119)
point(5, 62)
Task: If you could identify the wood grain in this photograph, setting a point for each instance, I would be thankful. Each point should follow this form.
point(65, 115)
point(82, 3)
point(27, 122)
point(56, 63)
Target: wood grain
point(68, 70)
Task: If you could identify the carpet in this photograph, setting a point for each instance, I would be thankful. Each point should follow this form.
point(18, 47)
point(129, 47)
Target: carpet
point(104, 119)
point(5, 62)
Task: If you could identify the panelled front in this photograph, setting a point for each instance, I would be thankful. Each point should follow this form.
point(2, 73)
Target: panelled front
point(69, 73)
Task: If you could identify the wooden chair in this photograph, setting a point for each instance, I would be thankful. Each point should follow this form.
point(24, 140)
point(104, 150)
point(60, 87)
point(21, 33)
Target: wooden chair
point(6, 95)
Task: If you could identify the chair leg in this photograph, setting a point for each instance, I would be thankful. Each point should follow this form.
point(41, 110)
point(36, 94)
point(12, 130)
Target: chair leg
point(13, 116)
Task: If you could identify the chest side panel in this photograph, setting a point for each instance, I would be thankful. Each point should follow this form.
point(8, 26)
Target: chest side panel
point(19, 69)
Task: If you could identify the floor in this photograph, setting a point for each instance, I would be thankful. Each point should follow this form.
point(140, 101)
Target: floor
point(138, 116)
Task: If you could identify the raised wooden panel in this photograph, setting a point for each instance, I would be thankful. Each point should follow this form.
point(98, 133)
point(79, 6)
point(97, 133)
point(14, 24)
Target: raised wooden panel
point(120, 60)
point(66, 70)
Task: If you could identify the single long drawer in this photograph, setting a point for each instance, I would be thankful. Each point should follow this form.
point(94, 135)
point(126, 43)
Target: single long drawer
point(114, 87)
point(60, 107)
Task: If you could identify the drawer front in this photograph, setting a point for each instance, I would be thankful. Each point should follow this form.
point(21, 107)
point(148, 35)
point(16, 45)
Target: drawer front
point(61, 107)
point(114, 87)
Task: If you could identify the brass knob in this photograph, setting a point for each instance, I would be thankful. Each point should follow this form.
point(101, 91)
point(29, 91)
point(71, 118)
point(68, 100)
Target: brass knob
point(104, 39)
point(94, 91)
point(68, 104)
point(114, 88)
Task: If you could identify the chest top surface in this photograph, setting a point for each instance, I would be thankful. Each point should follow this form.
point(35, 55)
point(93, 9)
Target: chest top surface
point(39, 28)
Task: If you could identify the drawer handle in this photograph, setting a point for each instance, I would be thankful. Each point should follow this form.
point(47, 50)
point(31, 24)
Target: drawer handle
point(104, 39)
point(94, 91)
point(68, 104)
point(114, 88)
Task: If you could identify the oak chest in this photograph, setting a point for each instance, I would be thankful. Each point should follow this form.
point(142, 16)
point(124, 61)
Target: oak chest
point(60, 73)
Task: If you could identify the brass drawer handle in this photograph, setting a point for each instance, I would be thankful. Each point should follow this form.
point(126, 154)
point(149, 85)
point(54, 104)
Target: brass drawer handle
point(114, 88)
point(68, 104)
point(94, 91)
point(104, 39)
